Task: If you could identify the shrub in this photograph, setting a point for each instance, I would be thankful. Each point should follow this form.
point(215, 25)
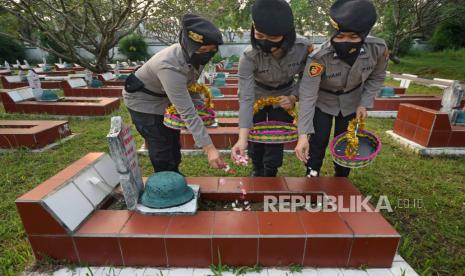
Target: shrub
point(449, 34)
point(10, 50)
point(133, 47)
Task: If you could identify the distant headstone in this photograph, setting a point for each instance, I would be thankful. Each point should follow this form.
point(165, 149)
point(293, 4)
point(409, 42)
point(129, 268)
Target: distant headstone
point(124, 153)
point(22, 75)
point(44, 61)
point(451, 100)
point(34, 84)
point(88, 77)
point(27, 64)
point(117, 68)
point(7, 65)
point(18, 63)
point(60, 61)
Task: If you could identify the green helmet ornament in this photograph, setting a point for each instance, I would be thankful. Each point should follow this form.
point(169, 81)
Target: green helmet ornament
point(166, 189)
point(387, 92)
point(216, 92)
point(49, 95)
point(96, 83)
point(219, 82)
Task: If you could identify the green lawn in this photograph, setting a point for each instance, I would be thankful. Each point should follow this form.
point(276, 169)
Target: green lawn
point(416, 88)
point(448, 64)
point(433, 237)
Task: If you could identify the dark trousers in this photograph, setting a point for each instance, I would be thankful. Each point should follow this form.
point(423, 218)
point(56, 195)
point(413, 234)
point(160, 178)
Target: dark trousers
point(323, 123)
point(267, 158)
point(163, 143)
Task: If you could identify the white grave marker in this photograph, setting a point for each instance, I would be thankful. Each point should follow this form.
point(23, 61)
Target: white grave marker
point(124, 153)
point(34, 84)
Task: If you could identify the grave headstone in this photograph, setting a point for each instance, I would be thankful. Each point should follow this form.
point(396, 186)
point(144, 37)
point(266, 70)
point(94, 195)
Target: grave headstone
point(117, 67)
point(34, 84)
point(60, 61)
point(18, 63)
point(27, 64)
point(44, 61)
point(88, 77)
point(124, 153)
point(452, 99)
point(7, 65)
point(21, 75)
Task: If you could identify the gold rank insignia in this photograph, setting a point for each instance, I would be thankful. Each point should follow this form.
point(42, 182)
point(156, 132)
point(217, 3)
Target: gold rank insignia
point(334, 24)
point(351, 51)
point(315, 69)
point(195, 37)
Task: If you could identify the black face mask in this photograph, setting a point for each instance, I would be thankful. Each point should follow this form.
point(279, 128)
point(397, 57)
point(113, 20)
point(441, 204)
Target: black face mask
point(201, 59)
point(347, 51)
point(267, 45)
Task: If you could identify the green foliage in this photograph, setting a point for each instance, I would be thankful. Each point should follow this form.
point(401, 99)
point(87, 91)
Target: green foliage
point(133, 47)
point(10, 50)
point(447, 64)
point(216, 58)
point(45, 41)
point(449, 34)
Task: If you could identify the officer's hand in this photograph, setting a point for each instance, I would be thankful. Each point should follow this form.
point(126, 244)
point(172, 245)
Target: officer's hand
point(287, 102)
point(238, 150)
point(362, 113)
point(214, 158)
point(302, 149)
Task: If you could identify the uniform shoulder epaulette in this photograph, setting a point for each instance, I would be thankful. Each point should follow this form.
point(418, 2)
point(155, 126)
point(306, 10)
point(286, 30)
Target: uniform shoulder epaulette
point(250, 52)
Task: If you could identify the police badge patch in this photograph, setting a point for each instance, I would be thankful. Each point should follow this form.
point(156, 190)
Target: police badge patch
point(315, 69)
point(195, 37)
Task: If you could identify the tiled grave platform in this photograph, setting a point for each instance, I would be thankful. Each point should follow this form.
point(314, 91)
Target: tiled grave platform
point(428, 130)
point(229, 89)
point(31, 134)
point(79, 88)
point(41, 71)
point(22, 101)
point(13, 82)
point(5, 72)
point(63, 219)
point(229, 80)
point(110, 79)
point(223, 137)
point(228, 103)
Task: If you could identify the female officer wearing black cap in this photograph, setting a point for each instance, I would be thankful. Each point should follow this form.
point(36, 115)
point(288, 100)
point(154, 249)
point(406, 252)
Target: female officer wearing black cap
point(268, 68)
point(163, 80)
point(340, 81)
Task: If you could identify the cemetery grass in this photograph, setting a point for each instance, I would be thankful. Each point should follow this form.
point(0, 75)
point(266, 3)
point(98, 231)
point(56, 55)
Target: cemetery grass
point(433, 236)
point(447, 64)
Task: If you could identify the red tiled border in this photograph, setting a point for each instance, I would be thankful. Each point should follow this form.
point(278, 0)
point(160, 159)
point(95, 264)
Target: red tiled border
point(121, 237)
point(428, 127)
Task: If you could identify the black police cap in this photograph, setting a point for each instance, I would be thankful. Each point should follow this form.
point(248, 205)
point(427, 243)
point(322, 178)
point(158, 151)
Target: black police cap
point(356, 16)
point(200, 30)
point(272, 17)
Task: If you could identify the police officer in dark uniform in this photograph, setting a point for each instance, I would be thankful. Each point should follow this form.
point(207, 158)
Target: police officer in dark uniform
point(341, 81)
point(163, 80)
point(268, 68)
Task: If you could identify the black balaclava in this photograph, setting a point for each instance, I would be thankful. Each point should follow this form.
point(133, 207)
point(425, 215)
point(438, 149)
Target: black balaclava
point(273, 17)
point(197, 31)
point(356, 16)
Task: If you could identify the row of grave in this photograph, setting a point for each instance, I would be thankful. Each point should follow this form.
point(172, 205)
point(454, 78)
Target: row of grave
point(22, 101)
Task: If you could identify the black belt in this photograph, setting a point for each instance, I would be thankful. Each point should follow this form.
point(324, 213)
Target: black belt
point(133, 84)
point(341, 92)
point(279, 87)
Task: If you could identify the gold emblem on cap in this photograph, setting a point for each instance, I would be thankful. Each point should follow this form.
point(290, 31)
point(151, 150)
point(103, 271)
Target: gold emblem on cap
point(195, 37)
point(334, 24)
point(353, 50)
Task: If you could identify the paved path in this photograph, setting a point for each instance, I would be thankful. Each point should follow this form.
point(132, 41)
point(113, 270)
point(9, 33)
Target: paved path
point(399, 267)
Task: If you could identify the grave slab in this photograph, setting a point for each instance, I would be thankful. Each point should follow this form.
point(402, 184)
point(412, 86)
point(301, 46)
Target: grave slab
point(88, 233)
point(13, 82)
point(23, 101)
point(78, 88)
point(31, 134)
